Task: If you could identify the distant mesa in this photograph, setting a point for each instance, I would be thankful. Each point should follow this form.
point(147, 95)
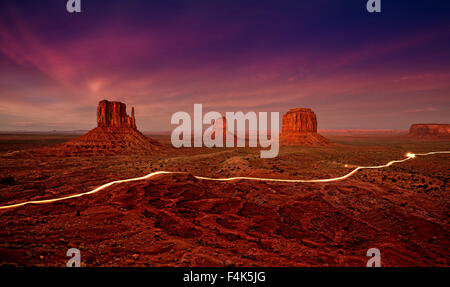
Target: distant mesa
point(116, 133)
point(220, 127)
point(430, 131)
point(300, 128)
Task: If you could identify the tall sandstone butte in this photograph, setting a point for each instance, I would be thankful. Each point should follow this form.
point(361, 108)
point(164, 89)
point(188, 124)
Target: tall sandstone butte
point(430, 131)
point(114, 114)
point(300, 128)
point(116, 133)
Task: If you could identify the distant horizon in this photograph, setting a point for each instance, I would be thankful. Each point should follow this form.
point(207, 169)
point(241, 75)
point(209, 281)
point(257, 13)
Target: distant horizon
point(169, 131)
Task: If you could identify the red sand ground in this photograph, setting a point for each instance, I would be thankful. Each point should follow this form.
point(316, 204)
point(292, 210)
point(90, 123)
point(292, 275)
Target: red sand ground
point(177, 220)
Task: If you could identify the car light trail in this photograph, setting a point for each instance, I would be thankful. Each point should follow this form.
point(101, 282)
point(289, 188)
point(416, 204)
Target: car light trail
point(409, 156)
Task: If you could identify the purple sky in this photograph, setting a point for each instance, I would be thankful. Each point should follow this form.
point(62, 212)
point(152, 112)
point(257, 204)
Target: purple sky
point(354, 69)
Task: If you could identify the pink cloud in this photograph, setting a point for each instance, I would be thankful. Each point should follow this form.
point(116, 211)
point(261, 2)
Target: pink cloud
point(139, 69)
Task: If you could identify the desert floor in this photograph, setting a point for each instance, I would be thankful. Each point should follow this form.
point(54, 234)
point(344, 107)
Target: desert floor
point(178, 220)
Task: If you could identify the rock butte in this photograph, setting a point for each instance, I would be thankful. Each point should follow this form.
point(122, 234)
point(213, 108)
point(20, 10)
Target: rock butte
point(114, 114)
point(116, 133)
point(221, 125)
point(430, 131)
point(300, 128)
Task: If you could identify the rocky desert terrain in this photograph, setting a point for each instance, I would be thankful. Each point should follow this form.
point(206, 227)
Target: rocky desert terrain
point(178, 220)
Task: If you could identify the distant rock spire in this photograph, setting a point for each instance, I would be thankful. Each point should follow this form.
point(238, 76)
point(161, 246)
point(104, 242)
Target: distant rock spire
point(133, 120)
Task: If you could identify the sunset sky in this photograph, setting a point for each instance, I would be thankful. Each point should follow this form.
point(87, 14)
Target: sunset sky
point(356, 70)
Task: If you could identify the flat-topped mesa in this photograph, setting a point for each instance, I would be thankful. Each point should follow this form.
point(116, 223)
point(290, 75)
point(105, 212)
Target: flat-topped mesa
point(299, 120)
point(300, 128)
point(430, 131)
point(114, 114)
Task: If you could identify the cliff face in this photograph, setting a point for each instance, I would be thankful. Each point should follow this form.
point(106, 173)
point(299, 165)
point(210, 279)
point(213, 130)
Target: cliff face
point(114, 114)
point(300, 128)
point(299, 120)
point(430, 131)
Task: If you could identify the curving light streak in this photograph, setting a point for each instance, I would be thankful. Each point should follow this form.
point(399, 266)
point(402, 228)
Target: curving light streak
point(408, 157)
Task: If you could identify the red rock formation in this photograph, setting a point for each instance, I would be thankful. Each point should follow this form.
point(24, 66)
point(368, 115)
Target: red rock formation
point(116, 133)
point(221, 124)
point(299, 120)
point(114, 114)
point(431, 131)
point(300, 128)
